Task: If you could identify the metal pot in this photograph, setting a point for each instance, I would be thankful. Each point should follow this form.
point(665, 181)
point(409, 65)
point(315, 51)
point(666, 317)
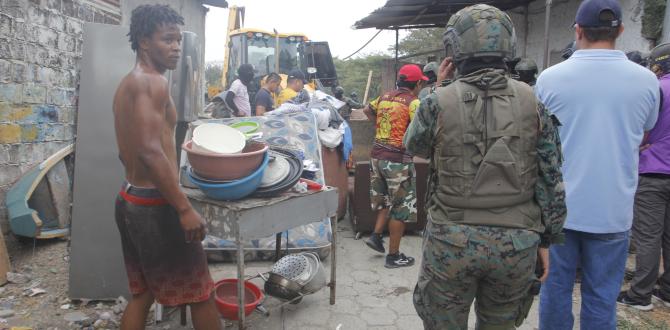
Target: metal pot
point(282, 288)
point(317, 279)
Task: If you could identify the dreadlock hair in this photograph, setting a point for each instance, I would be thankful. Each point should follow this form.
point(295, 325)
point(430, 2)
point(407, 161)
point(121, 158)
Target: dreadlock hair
point(146, 18)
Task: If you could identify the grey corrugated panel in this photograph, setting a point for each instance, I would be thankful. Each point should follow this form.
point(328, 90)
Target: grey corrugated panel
point(96, 262)
point(423, 13)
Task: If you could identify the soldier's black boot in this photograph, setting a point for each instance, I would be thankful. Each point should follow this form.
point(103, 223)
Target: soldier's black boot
point(398, 260)
point(375, 242)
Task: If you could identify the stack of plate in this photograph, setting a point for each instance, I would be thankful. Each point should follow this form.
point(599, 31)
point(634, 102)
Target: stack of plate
point(281, 174)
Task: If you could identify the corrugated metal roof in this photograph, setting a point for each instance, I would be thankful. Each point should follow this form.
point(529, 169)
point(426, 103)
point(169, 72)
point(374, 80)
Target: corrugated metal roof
point(403, 14)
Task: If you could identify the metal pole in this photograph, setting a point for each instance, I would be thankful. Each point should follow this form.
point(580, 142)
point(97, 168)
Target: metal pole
point(665, 33)
point(333, 260)
point(395, 66)
point(240, 278)
point(526, 29)
point(276, 50)
point(547, 17)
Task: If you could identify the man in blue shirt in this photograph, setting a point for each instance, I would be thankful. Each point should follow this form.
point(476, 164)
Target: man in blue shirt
point(605, 104)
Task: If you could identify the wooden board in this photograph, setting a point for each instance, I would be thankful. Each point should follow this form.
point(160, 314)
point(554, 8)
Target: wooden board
point(40, 201)
point(4, 260)
point(61, 196)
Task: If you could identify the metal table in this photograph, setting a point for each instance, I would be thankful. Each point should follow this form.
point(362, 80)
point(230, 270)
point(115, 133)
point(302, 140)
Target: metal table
point(255, 218)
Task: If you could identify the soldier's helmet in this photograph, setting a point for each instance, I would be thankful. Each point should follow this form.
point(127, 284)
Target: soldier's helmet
point(659, 59)
point(339, 91)
point(353, 95)
point(526, 65)
point(479, 31)
point(431, 67)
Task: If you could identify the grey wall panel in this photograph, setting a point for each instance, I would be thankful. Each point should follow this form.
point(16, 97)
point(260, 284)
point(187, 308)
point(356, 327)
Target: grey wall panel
point(96, 263)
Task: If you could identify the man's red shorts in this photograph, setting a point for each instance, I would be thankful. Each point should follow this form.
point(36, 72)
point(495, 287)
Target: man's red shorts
point(156, 254)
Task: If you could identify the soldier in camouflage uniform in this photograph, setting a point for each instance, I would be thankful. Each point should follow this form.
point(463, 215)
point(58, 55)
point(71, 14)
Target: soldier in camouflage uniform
point(527, 71)
point(495, 198)
point(430, 70)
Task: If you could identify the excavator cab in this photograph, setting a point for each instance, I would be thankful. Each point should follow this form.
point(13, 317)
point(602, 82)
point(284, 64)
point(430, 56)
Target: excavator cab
point(261, 48)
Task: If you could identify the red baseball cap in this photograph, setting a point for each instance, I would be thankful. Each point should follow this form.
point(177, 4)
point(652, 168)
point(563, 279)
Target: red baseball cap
point(411, 73)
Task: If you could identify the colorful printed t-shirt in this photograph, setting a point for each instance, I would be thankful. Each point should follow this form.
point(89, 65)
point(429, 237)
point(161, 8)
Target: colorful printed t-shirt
point(394, 111)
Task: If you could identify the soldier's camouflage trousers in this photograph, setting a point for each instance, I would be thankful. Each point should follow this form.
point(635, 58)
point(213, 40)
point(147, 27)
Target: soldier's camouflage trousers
point(492, 265)
point(393, 185)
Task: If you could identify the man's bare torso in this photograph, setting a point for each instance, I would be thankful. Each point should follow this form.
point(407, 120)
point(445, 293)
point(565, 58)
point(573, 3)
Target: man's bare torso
point(133, 86)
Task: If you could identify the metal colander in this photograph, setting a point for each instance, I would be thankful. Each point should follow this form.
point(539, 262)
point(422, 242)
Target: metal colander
point(292, 266)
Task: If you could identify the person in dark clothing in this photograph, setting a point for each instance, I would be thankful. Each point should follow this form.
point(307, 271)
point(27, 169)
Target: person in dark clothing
point(264, 97)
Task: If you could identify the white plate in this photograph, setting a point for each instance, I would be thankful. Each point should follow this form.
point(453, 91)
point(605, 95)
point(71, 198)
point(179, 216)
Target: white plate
point(277, 170)
point(218, 138)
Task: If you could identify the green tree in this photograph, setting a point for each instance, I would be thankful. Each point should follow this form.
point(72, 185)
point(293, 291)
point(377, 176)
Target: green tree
point(420, 40)
point(353, 74)
point(213, 73)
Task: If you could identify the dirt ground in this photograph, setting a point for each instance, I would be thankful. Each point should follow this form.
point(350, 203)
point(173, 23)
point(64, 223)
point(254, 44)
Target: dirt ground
point(46, 264)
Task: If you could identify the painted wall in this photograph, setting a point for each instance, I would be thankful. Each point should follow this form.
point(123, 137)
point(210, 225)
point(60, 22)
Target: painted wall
point(40, 49)
point(562, 33)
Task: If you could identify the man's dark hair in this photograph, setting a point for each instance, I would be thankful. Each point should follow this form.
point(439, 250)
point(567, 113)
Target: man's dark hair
point(273, 76)
point(146, 18)
point(290, 80)
point(594, 34)
point(406, 84)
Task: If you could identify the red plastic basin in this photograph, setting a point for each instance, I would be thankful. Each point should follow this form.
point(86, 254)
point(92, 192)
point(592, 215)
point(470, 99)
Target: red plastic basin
point(225, 295)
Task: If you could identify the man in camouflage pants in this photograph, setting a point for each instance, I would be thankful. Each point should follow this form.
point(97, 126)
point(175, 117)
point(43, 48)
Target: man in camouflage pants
point(392, 179)
point(495, 187)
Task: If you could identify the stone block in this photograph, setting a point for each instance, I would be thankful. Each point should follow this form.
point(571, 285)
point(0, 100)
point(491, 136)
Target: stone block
point(5, 25)
point(47, 37)
point(74, 27)
point(15, 113)
point(11, 93)
point(34, 94)
point(57, 96)
point(54, 4)
point(10, 133)
point(5, 71)
point(32, 132)
point(70, 8)
point(19, 29)
point(66, 42)
point(14, 8)
point(37, 15)
point(45, 113)
point(5, 50)
point(56, 21)
point(18, 50)
point(37, 54)
point(4, 154)
point(9, 174)
point(19, 72)
point(86, 13)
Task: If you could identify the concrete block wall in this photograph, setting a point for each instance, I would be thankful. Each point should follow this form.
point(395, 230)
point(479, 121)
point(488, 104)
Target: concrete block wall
point(561, 31)
point(40, 48)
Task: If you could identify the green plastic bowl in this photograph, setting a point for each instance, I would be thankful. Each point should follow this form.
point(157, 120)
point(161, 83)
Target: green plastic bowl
point(246, 127)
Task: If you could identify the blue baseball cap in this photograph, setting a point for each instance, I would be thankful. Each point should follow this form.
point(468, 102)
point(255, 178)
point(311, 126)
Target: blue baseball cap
point(599, 13)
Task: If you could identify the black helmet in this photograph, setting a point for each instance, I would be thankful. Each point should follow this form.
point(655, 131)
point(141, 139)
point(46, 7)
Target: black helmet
point(569, 50)
point(659, 59)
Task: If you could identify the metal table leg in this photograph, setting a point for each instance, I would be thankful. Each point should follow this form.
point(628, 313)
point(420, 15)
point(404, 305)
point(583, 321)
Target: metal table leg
point(240, 281)
point(333, 260)
point(277, 246)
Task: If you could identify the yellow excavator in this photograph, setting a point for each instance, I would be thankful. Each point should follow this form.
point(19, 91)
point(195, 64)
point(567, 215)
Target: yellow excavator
point(273, 52)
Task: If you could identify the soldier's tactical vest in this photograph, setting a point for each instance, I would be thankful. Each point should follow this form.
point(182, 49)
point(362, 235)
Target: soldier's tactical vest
point(484, 161)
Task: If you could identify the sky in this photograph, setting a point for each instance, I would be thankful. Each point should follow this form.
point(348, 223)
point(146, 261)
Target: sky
point(319, 20)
